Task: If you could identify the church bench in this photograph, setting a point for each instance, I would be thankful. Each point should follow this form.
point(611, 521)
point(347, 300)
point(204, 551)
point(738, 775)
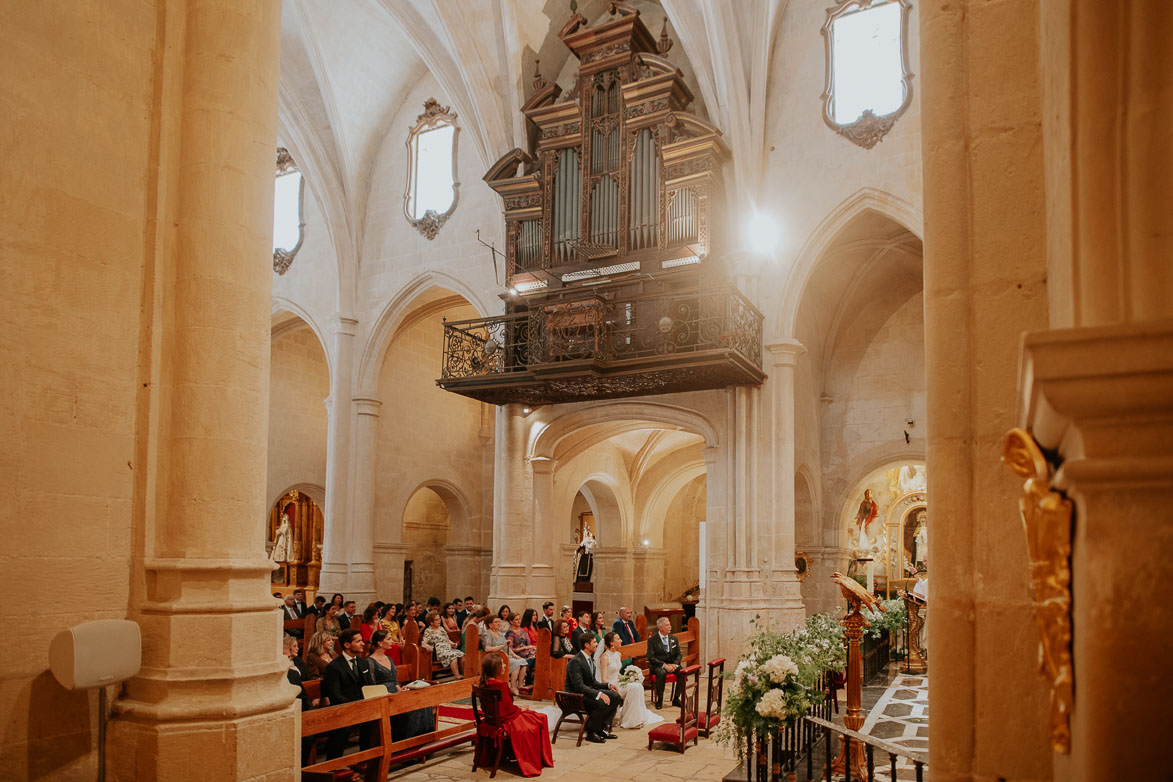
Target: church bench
point(376, 761)
point(549, 672)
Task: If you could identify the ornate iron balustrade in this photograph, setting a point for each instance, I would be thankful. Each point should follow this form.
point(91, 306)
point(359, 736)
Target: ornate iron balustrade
point(602, 330)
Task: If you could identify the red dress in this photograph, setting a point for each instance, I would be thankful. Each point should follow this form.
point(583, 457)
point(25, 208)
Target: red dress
point(529, 734)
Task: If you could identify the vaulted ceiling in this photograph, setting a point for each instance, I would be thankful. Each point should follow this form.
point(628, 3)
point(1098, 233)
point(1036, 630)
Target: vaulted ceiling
point(347, 66)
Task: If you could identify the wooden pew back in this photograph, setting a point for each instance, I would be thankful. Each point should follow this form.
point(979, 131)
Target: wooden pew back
point(549, 672)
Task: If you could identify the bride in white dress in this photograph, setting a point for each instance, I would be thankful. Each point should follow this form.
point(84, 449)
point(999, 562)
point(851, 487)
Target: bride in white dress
point(634, 713)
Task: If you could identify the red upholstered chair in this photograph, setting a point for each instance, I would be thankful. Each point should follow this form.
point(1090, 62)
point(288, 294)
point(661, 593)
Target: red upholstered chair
point(708, 719)
point(492, 735)
point(684, 729)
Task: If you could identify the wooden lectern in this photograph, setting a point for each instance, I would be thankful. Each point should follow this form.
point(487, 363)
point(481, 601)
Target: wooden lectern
point(854, 623)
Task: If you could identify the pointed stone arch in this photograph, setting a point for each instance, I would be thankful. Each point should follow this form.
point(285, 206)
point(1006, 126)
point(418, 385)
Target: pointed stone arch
point(599, 422)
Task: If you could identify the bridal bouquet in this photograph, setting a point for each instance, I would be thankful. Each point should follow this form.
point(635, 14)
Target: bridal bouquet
point(631, 674)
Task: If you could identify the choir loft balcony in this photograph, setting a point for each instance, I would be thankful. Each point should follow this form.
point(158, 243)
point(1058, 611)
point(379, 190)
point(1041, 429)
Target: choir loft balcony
point(605, 347)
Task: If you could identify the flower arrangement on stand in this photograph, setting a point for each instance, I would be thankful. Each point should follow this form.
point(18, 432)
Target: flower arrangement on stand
point(892, 618)
point(778, 679)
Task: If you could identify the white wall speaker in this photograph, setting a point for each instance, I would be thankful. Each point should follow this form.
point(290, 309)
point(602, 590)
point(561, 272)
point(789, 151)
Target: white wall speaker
point(96, 654)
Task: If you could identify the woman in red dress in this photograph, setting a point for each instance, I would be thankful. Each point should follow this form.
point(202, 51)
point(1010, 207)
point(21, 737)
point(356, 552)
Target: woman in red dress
point(529, 732)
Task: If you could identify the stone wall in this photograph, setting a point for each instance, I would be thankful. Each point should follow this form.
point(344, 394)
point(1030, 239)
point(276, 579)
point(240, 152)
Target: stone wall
point(298, 386)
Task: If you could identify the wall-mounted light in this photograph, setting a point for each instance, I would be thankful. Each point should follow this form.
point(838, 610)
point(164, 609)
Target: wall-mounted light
point(763, 234)
point(647, 542)
point(526, 411)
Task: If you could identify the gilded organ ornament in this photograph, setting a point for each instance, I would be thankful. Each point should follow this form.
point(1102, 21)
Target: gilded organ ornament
point(1047, 522)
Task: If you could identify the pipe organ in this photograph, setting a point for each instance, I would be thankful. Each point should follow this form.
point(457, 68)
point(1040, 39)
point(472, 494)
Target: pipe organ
point(617, 287)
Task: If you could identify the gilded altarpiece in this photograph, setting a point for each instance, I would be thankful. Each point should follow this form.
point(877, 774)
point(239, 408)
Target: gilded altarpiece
point(305, 547)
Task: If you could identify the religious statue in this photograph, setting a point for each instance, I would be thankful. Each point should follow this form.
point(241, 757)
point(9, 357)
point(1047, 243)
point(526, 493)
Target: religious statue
point(281, 543)
point(584, 557)
point(921, 541)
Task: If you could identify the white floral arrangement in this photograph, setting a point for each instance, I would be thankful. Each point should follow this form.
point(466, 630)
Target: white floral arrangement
point(772, 705)
point(631, 674)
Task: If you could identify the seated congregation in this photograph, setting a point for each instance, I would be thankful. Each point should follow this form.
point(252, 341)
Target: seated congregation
point(403, 682)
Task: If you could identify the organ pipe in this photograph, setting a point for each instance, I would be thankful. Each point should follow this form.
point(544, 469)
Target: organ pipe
point(683, 218)
point(644, 185)
point(567, 198)
point(605, 212)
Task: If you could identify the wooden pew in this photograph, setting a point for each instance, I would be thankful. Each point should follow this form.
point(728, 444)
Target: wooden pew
point(376, 761)
point(549, 672)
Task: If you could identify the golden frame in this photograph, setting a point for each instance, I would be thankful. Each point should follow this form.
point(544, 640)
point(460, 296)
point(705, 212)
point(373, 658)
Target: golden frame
point(868, 129)
point(433, 117)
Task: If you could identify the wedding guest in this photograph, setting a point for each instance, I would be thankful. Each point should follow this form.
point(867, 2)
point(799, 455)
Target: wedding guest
point(297, 675)
point(547, 619)
point(601, 699)
point(290, 611)
point(369, 623)
point(436, 641)
point(625, 626)
point(523, 644)
point(319, 653)
point(337, 600)
point(529, 732)
point(347, 616)
point(663, 659)
point(560, 645)
point(409, 724)
point(319, 606)
point(504, 612)
point(329, 622)
point(583, 628)
point(565, 614)
point(299, 599)
point(494, 640)
point(461, 613)
point(448, 618)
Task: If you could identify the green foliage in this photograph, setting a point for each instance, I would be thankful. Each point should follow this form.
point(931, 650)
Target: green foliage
point(893, 619)
point(777, 678)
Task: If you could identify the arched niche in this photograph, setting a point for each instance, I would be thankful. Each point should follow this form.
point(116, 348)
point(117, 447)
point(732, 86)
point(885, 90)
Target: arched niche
point(895, 491)
point(302, 563)
point(426, 526)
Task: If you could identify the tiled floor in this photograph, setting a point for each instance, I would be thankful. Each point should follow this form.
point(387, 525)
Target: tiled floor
point(625, 758)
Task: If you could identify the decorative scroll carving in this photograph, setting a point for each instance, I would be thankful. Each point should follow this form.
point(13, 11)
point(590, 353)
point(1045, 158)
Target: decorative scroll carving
point(868, 129)
point(566, 129)
point(1046, 520)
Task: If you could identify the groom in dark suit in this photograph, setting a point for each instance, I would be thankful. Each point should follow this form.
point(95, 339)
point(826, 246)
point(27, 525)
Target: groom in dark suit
point(601, 700)
point(663, 659)
point(342, 682)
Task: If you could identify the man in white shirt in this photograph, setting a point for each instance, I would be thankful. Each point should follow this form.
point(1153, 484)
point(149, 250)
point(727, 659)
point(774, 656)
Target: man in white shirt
point(664, 658)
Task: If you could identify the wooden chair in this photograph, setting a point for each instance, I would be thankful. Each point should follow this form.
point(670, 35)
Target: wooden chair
point(716, 692)
point(573, 711)
point(684, 729)
point(689, 641)
point(490, 729)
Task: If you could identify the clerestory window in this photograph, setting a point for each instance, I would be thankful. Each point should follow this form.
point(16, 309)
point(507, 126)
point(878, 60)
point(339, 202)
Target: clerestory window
point(288, 214)
point(432, 186)
point(869, 83)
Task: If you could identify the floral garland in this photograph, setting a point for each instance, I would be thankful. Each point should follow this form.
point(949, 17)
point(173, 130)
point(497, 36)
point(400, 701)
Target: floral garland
point(777, 679)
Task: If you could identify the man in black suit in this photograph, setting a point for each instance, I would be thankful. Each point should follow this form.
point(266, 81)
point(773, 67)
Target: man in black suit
point(663, 659)
point(461, 614)
point(347, 618)
point(299, 601)
point(583, 629)
point(601, 700)
point(343, 681)
point(290, 611)
point(547, 618)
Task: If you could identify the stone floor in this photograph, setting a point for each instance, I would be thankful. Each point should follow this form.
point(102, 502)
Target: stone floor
point(625, 758)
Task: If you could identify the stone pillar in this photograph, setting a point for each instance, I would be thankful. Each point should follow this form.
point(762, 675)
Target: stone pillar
point(612, 578)
point(709, 607)
point(336, 553)
point(389, 559)
point(464, 570)
point(513, 528)
point(544, 575)
point(647, 568)
point(985, 284)
point(783, 579)
point(360, 585)
point(212, 691)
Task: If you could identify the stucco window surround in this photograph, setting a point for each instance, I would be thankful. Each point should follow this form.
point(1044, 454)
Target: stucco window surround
point(871, 125)
point(424, 201)
point(283, 256)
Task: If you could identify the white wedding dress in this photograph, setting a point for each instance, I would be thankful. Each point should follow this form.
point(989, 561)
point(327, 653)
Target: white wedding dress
point(634, 713)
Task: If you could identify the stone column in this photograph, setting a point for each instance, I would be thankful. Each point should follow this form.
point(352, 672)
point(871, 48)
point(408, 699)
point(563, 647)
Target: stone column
point(336, 553)
point(211, 691)
point(464, 570)
point(985, 284)
point(389, 559)
point(544, 575)
point(612, 577)
point(783, 579)
point(513, 529)
point(709, 607)
point(360, 585)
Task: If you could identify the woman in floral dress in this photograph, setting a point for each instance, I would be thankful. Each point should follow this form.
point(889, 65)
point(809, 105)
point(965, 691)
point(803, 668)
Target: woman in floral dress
point(436, 641)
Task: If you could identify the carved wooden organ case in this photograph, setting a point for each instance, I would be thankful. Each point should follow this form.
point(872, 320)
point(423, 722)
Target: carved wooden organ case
point(609, 237)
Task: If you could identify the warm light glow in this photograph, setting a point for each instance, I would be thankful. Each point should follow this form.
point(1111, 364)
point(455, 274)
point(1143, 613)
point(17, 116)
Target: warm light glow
point(866, 63)
point(647, 542)
point(764, 233)
point(287, 211)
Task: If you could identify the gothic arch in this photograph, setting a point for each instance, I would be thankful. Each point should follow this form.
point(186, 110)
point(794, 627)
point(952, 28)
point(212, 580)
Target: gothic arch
point(616, 417)
point(393, 315)
point(312, 490)
point(610, 518)
point(867, 199)
point(284, 304)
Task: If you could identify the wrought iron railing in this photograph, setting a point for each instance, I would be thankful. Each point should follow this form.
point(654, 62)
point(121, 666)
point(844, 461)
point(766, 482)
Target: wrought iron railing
point(604, 330)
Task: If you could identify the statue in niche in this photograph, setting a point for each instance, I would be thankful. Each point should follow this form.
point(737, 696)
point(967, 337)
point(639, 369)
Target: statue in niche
point(584, 556)
point(281, 542)
point(920, 540)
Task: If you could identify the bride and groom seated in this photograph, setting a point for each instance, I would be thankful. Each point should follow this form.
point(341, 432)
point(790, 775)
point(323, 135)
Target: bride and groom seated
point(603, 693)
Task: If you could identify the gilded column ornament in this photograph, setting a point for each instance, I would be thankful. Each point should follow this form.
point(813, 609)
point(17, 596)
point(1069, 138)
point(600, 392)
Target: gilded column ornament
point(1046, 520)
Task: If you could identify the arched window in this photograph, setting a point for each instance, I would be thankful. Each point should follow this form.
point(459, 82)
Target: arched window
point(288, 214)
point(869, 83)
point(432, 187)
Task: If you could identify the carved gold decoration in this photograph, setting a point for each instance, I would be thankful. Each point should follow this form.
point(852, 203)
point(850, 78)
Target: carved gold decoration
point(802, 565)
point(1046, 520)
point(916, 623)
point(868, 129)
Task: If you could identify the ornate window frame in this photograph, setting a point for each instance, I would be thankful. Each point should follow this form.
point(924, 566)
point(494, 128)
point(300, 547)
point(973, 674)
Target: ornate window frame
point(868, 129)
point(433, 117)
point(282, 258)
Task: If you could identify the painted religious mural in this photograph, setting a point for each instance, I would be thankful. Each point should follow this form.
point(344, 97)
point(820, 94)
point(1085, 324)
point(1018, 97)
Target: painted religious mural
point(885, 525)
